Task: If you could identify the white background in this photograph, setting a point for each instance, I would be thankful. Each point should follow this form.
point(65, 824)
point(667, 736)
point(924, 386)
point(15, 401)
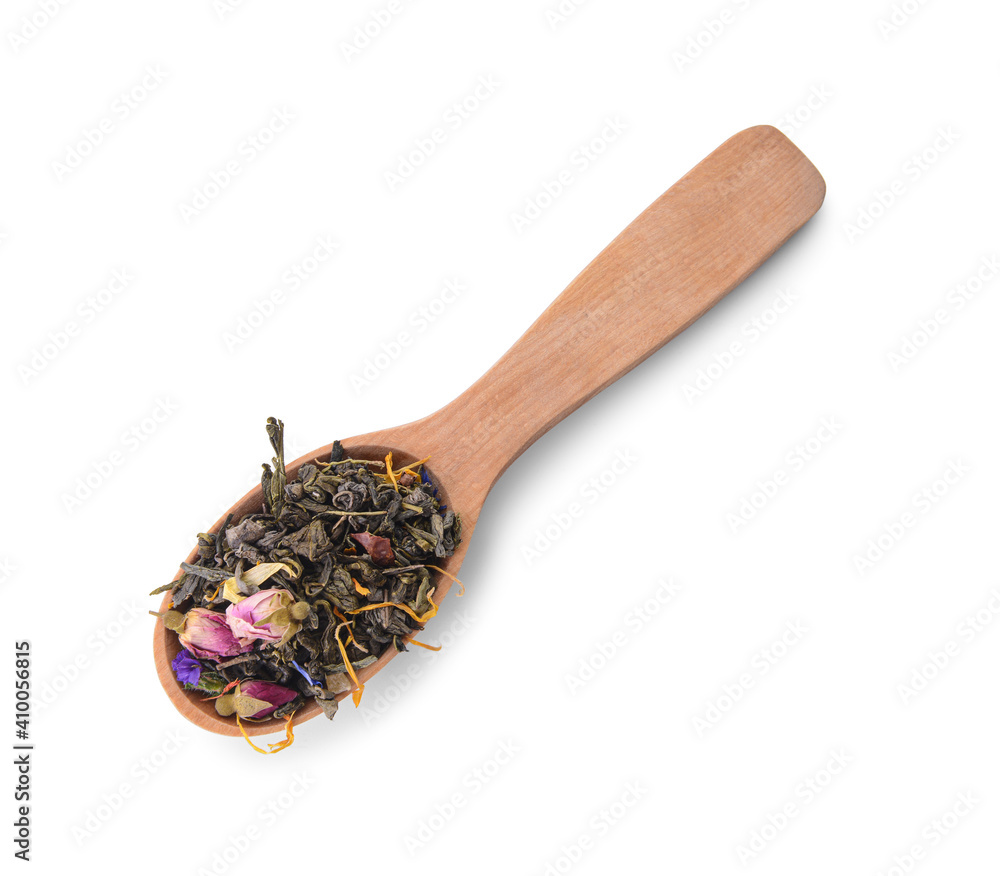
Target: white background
point(120, 778)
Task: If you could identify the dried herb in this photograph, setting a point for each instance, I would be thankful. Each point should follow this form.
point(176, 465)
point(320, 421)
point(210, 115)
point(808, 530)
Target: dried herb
point(290, 602)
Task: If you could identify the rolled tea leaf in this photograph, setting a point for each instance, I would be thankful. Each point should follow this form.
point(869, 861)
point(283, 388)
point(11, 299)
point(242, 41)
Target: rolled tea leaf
point(276, 483)
point(351, 546)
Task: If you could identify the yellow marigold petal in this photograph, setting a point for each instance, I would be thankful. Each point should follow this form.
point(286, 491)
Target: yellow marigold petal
point(356, 696)
point(274, 747)
point(390, 475)
point(412, 641)
point(288, 740)
point(247, 738)
point(448, 575)
point(403, 607)
point(409, 469)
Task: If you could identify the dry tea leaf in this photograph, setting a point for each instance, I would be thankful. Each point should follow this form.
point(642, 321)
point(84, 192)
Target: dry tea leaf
point(355, 543)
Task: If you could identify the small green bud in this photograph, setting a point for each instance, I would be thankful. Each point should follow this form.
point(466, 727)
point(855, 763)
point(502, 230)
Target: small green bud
point(279, 617)
point(174, 620)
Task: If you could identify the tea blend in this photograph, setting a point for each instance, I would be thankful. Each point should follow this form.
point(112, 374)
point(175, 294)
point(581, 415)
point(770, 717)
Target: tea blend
point(340, 565)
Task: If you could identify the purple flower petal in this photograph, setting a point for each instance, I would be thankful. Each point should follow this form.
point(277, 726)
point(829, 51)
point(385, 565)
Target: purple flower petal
point(186, 668)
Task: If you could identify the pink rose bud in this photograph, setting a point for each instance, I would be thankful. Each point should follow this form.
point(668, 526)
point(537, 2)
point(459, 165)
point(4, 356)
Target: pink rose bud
point(248, 617)
point(207, 635)
point(268, 692)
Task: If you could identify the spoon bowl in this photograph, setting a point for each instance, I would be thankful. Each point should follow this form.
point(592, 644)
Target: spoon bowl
point(201, 711)
point(688, 250)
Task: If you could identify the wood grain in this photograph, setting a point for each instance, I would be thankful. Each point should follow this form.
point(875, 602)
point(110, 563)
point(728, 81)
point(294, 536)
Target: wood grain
point(688, 250)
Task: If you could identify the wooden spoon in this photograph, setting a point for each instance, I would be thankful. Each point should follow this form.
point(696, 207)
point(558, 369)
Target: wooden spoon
point(700, 240)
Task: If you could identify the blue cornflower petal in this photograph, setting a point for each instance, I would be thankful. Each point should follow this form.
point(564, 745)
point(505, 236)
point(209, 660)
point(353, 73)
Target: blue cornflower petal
point(305, 674)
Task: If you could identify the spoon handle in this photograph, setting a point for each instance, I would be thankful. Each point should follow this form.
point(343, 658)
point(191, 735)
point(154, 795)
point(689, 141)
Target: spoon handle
point(697, 242)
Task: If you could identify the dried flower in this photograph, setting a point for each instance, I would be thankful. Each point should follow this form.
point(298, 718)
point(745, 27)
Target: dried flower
point(254, 699)
point(378, 547)
point(333, 571)
point(268, 616)
point(207, 635)
point(306, 675)
point(273, 694)
point(250, 581)
point(186, 668)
